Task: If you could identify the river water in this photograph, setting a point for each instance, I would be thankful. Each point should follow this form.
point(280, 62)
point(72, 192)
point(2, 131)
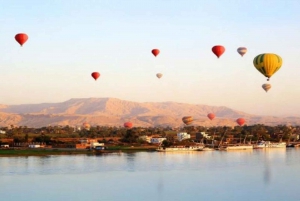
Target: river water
point(272, 174)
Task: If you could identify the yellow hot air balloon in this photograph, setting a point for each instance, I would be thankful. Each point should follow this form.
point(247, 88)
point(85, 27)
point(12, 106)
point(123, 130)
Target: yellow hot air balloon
point(267, 64)
point(266, 87)
point(187, 120)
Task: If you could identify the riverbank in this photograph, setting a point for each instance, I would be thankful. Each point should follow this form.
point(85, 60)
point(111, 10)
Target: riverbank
point(66, 151)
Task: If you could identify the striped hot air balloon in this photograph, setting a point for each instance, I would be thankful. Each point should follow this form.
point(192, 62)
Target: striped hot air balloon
point(266, 87)
point(267, 64)
point(187, 120)
point(242, 50)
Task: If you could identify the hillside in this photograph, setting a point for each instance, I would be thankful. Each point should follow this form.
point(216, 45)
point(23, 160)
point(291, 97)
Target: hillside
point(114, 112)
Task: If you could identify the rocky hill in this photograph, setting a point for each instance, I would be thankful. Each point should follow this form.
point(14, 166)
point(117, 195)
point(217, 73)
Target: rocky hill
point(114, 112)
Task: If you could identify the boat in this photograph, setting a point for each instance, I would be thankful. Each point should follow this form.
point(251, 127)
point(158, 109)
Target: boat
point(180, 148)
point(268, 144)
point(102, 150)
point(236, 147)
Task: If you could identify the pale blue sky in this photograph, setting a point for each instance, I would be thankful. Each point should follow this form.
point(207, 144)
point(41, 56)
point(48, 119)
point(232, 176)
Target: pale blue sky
point(69, 39)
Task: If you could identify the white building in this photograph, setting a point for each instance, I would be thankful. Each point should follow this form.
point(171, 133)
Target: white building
point(96, 144)
point(183, 136)
point(157, 140)
point(34, 146)
point(145, 138)
point(205, 135)
point(5, 145)
point(2, 132)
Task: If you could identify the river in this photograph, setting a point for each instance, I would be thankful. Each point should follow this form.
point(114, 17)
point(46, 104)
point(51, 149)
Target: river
point(271, 174)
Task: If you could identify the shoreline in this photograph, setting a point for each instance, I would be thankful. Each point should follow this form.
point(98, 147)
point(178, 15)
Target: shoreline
point(17, 152)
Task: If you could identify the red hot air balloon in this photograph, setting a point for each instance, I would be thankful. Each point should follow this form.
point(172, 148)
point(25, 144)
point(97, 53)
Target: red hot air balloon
point(218, 50)
point(21, 38)
point(128, 124)
point(211, 116)
point(155, 52)
point(240, 121)
point(95, 75)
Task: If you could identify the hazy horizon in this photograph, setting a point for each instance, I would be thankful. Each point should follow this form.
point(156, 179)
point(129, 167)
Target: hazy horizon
point(67, 42)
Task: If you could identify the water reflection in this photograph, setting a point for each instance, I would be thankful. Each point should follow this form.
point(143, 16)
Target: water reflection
point(258, 174)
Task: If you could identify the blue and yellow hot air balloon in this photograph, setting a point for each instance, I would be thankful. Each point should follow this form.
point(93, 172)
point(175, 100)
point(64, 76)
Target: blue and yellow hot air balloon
point(267, 64)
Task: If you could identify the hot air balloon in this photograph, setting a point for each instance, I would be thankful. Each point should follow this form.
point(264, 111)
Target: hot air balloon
point(159, 75)
point(155, 52)
point(187, 120)
point(21, 38)
point(95, 75)
point(211, 116)
point(240, 121)
point(266, 87)
point(267, 64)
point(218, 50)
point(242, 50)
point(128, 124)
point(86, 126)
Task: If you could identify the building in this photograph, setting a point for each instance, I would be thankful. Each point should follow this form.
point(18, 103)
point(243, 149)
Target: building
point(202, 135)
point(4, 145)
point(145, 138)
point(157, 140)
point(183, 136)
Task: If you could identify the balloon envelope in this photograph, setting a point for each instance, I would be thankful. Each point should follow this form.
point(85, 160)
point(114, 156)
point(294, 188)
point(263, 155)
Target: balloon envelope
point(240, 121)
point(95, 75)
point(266, 87)
point(218, 50)
point(21, 38)
point(187, 120)
point(159, 75)
point(155, 52)
point(211, 116)
point(86, 125)
point(242, 50)
point(128, 124)
point(267, 64)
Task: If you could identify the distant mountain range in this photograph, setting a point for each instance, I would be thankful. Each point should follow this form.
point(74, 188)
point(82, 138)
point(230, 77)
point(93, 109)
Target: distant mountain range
point(114, 112)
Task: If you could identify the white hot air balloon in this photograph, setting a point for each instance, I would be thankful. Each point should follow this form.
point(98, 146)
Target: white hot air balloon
point(242, 50)
point(159, 75)
point(266, 87)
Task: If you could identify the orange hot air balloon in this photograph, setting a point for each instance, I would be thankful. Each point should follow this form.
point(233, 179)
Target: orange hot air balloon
point(240, 121)
point(86, 126)
point(218, 50)
point(187, 120)
point(128, 124)
point(211, 116)
point(155, 52)
point(95, 75)
point(21, 38)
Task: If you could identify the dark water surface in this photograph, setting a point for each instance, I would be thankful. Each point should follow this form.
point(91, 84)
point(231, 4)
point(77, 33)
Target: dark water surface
point(258, 175)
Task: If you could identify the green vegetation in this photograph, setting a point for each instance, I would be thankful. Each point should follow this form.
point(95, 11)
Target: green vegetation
point(119, 138)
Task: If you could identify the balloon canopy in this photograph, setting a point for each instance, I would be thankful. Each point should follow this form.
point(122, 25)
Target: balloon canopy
point(242, 50)
point(267, 64)
point(155, 52)
point(159, 75)
point(240, 121)
point(21, 38)
point(266, 87)
point(187, 120)
point(211, 116)
point(128, 124)
point(95, 75)
point(218, 50)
